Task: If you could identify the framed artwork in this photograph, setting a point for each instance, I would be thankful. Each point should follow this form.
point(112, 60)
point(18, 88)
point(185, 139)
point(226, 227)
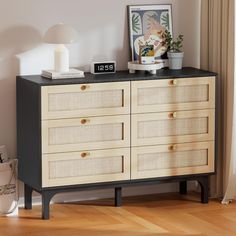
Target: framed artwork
point(147, 23)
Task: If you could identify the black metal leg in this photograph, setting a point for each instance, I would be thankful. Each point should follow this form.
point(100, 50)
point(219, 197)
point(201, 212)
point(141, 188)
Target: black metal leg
point(28, 196)
point(118, 197)
point(183, 187)
point(46, 198)
point(204, 183)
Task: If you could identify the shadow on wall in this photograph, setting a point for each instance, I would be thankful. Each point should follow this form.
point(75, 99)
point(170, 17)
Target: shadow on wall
point(13, 41)
point(124, 53)
point(106, 43)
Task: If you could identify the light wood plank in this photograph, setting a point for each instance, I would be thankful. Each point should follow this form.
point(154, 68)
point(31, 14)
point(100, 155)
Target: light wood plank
point(161, 214)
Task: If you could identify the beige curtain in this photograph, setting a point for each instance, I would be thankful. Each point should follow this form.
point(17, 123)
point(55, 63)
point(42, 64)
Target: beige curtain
point(217, 54)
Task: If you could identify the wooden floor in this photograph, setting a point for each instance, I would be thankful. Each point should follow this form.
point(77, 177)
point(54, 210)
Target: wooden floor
point(160, 215)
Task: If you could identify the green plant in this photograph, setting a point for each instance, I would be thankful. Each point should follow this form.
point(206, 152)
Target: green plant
point(174, 45)
point(135, 23)
point(165, 20)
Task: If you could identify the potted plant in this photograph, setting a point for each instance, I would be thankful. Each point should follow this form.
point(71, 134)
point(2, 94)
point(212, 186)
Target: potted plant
point(175, 54)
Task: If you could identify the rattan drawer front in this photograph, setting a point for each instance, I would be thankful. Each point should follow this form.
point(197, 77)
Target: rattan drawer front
point(173, 94)
point(172, 127)
point(68, 101)
point(85, 167)
point(85, 134)
point(172, 160)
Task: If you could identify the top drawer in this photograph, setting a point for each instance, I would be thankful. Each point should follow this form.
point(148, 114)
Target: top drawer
point(68, 101)
point(173, 94)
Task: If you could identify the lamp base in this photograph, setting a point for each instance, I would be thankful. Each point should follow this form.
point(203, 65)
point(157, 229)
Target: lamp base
point(61, 58)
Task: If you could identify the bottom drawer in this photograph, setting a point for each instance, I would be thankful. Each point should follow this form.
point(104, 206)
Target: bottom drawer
point(172, 160)
point(85, 167)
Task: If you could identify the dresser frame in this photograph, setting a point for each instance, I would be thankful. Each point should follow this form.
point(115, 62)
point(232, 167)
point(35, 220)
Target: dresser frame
point(29, 144)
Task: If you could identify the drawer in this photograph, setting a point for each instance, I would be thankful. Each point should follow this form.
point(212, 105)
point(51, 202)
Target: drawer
point(69, 101)
point(85, 133)
point(173, 94)
point(172, 127)
point(172, 160)
point(85, 167)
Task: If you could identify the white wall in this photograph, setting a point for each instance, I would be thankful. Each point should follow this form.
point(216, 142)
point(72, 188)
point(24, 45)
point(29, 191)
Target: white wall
point(102, 26)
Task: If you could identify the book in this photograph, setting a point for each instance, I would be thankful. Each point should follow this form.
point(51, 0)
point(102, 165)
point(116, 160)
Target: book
point(72, 73)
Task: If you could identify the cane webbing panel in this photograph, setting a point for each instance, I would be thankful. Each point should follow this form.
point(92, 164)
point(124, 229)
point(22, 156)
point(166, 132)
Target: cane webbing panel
point(164, 128)
point(85, 100)
point(85, 167)
point(85, 134)
point(168, 160)
point(171, 95)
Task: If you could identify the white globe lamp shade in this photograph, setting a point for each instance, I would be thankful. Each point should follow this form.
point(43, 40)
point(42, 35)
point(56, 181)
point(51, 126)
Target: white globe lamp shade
point(61, 34)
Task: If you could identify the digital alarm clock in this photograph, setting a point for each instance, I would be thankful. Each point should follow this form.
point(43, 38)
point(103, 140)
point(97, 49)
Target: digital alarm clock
point(105, 67)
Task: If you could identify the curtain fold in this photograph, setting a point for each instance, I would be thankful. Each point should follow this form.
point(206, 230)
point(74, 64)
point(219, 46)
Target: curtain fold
point(229, 177)
point(217, 54)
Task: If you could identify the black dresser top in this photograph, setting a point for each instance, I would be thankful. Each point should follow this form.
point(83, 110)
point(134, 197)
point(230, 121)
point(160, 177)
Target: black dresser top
point(120, 76)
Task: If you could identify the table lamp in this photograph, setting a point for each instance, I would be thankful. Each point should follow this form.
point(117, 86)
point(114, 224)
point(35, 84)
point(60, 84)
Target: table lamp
point(61, 34)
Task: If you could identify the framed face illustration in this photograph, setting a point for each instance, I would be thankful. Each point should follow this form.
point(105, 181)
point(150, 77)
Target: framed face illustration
point(147, 23)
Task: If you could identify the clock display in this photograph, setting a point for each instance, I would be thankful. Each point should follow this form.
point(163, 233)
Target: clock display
point(103, 67)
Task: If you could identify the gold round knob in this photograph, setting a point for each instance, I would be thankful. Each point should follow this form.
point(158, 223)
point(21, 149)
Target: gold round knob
point(83, 87)
point(172, 147)
point(83, 121)
point(173, 115)
point(173, 82)
point(85, 154)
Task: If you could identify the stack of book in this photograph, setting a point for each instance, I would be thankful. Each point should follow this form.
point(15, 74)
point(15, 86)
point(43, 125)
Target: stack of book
point(72, 73)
